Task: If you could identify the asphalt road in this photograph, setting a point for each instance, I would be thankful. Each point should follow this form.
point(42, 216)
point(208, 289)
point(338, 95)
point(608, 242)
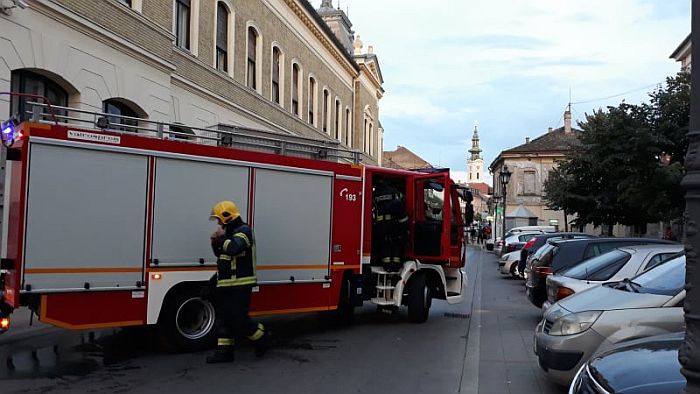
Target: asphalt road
point(456, 350)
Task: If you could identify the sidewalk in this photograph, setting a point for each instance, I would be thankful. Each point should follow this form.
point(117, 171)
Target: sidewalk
point(500, 358)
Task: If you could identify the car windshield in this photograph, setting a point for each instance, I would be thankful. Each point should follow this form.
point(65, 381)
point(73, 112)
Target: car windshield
point(665, 279)
point(599, 268)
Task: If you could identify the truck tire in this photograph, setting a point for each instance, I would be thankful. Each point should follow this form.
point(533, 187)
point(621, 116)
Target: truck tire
point(187, 321)
point(419, 298)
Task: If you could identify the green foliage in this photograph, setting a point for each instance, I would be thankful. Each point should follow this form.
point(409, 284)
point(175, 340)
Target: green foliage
point(629, 164)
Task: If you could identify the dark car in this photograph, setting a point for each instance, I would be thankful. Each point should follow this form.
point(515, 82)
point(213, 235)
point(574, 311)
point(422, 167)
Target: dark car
point(643, 366)
point(539, 240)
point(561, 254)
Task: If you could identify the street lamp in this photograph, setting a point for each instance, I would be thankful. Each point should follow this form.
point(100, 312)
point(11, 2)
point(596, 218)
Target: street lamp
point(504, 177)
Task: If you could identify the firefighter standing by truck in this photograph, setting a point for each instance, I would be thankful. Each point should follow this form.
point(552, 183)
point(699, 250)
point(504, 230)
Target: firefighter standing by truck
point(390, 224)
point(231, 286)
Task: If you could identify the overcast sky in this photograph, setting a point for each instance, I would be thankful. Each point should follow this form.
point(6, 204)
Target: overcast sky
point(509, 65)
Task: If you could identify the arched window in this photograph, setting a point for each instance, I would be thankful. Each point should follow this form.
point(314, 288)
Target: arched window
point(32, 83)
point(337, 114)
point(182, 23)
point(348, 128)
point(312, 100)
point(119, 109)
point(276, 67)
point(326, 112)
point(296, 85)
point(222, 18)
point(366, 142)
point(252, 67)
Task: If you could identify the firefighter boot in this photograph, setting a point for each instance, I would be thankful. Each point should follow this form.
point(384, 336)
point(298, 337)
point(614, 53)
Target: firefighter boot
point(263, 344)
point(223, 354)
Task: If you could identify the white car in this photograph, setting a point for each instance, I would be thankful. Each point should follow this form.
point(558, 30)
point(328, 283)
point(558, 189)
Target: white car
point(613, 266)
point(508, 264)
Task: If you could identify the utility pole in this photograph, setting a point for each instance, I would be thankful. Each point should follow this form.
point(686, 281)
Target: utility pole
point(689, 354)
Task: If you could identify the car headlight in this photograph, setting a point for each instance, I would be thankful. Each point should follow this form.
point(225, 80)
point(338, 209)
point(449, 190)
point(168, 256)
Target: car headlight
point(574, 323)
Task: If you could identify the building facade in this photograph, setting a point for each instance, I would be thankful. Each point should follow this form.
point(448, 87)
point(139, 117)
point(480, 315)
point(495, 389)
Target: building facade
point(683, 54)
point(530, 165)
point(274, 65)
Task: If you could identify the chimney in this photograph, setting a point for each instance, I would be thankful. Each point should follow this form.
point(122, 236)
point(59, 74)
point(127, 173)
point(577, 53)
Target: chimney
point(527, 139)
point(549, 130)
point(370, 49)
point(567, 122)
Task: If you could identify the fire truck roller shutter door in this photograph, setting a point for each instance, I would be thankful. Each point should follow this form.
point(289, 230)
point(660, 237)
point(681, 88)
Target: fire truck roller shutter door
point(292, 224)
point(85, 218)
point(184, 193)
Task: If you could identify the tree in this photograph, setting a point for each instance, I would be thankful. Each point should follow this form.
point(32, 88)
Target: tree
point(629, 163)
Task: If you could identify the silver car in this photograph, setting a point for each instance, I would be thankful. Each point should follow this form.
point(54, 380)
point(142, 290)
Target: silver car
point(613, 266)
point(508, 264)
point(577, 327)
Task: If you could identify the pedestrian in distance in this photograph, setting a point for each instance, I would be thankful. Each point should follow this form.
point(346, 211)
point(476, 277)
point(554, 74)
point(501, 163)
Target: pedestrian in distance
point(480, 235)
point(231, 286)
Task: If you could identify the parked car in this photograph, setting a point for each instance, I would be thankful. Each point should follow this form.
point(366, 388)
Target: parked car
point(577, 327)
point(508, 263)
point(642, 366)
point(613, 266)
point(517, 241)
point(567, 253)
point(538, 241)
point(520, 229)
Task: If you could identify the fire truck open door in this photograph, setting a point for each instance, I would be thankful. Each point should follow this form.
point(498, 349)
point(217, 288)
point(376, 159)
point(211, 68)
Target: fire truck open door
point(430, 230)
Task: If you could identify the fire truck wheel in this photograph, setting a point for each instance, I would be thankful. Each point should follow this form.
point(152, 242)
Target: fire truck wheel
point(346, 311)
point(419, 298)
point(187, 321)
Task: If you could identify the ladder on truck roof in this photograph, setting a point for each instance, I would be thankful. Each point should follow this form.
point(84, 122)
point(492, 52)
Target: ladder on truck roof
point(234, 136)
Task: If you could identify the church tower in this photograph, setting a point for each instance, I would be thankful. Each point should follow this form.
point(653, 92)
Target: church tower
point(475, 164)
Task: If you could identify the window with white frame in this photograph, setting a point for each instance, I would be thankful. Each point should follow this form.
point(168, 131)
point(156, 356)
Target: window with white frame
point(326, 111)
point(182, 23)
point(252, 55)
point(348, 128)
point(337, 123)
point(296, 85)
point(276, 67)
point(312, 100)
point(222, 18)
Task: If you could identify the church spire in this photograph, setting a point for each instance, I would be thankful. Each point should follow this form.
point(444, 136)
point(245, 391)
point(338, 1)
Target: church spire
point(475, 150)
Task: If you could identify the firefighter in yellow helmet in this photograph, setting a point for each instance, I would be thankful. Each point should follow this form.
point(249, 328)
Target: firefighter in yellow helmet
point(234, 247)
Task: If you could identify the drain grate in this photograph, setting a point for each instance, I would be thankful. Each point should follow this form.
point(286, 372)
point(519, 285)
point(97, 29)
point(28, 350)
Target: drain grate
point(458, 315)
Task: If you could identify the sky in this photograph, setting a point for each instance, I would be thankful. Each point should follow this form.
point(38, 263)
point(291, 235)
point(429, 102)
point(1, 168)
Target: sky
point(509, 66)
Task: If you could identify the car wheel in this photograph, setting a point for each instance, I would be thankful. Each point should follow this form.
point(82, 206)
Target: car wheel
point(513, 267)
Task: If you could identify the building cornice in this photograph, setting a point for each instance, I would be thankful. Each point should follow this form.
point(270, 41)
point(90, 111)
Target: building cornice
point(83, 25)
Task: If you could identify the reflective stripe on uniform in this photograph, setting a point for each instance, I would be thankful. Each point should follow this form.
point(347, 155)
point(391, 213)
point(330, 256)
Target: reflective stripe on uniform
point(386, 260)
point(224, 257)
point(246, 280)
point(404, 219)
point(243, 237)
point(383, 217)
point(226, 244)
point(225, 342)
point(258, 333)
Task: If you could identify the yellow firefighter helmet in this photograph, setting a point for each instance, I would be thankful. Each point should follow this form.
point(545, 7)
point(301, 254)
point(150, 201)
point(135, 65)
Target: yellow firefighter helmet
point(225, 211)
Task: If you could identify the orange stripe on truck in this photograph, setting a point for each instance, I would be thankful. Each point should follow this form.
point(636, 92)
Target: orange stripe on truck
point(81, 270)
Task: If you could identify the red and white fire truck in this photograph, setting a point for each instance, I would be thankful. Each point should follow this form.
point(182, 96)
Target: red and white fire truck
point(106, 225)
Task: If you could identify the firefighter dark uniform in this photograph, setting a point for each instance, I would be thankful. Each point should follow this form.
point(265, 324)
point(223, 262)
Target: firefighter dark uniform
point(233, 283)
point(390, 225)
